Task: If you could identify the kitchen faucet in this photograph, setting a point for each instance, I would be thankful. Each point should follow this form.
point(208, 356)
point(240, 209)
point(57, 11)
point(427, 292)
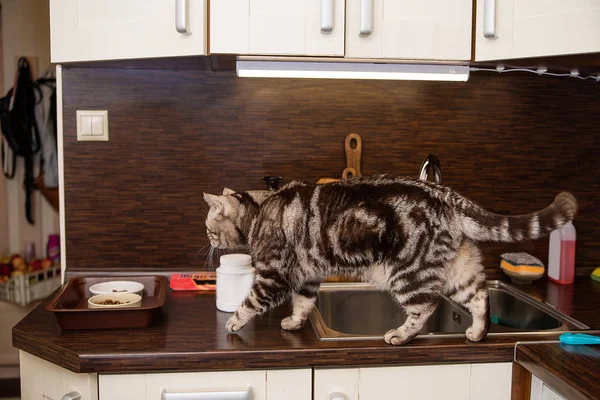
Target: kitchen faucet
point(431, 166)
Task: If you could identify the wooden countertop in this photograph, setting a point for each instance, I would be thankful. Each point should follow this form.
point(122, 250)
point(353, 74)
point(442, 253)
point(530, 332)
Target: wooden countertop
point(572, 371)
point(191, 335)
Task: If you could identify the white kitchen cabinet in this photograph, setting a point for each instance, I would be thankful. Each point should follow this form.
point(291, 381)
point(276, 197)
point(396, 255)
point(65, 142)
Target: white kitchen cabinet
point(508, 29)
point(329, 381)
point(292, 384)
point(541, 391)
point(491, 381)
point(277, 27)
point(408, 29)
point(43, 380)
point(85, 30)
point(193, 382)
point(122, 387)
point(289, 384)
point(448, 382)
point(431, 382)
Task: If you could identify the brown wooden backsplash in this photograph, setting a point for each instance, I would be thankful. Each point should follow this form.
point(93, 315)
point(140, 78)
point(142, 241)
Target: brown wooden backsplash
point(508, 142)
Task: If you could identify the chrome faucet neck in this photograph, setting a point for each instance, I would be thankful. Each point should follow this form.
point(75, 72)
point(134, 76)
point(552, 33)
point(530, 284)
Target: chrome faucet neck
point(431, 166)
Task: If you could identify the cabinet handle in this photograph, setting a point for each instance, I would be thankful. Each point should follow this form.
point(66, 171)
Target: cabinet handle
point(366, 17)
point(232, 395)
point(489, 19)
point(182, 16)
point(72, 396)
point(338, 396)
point(326, 16)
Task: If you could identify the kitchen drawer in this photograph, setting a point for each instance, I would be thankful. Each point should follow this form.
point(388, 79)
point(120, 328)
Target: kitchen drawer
point(289, 384)
point(448, 382)
point(192, 382)
point(343, 381)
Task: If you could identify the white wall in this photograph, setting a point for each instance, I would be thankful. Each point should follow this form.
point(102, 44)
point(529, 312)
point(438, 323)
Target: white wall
point(10, 314)
point(25, 32)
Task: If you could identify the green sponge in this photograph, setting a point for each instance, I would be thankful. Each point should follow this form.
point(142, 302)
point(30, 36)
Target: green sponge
point(596, 274)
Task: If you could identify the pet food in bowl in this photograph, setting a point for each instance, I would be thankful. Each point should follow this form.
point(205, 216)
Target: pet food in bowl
point(117, 287)
point(115, 300)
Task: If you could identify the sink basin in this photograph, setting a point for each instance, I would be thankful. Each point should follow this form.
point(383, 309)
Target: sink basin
point(351, 311)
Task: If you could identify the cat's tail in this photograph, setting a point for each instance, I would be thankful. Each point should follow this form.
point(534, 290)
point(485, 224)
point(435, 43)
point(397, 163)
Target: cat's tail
point(483, 226)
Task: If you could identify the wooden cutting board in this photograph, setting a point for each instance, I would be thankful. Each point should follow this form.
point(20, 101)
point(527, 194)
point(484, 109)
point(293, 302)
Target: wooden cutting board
point(353, 150)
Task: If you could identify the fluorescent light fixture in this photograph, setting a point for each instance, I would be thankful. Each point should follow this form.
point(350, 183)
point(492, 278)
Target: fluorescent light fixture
point(351, 70)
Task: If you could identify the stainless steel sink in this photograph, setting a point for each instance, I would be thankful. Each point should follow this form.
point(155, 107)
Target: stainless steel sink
point(351, 311)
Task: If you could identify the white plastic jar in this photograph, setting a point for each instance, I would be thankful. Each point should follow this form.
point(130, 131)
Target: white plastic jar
point(235, 277)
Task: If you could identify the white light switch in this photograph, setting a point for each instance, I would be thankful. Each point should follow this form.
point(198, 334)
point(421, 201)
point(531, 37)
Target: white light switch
point(92, 125)
point(97, 123)
point(86, 125)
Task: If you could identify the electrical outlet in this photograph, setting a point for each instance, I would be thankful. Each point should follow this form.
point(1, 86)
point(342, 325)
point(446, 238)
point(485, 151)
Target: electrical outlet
point(92, 125)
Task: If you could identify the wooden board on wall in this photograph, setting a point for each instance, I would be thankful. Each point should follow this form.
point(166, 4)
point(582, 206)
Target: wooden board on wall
point(510, 143)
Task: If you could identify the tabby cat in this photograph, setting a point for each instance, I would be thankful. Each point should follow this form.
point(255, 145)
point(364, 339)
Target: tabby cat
point(411, 238)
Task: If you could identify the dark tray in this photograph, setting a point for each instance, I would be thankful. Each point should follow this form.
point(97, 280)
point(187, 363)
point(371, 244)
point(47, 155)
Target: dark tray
point(70, 305)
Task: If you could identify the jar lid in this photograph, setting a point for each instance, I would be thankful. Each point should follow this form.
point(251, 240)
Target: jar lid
point(236, 260)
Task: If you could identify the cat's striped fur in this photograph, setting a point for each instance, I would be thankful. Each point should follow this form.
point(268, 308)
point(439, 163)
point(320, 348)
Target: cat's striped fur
point(413, 239)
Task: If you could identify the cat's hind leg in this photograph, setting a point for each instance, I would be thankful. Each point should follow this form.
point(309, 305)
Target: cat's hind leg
point(466, 286)
point(303, 301)
point(268, 290)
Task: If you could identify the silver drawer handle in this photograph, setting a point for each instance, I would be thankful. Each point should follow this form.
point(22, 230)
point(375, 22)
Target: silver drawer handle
point(326, 16)
point(182, 19)
point(232, 395)
point(366, 17)
point(489, 19)
point(338, 396)
point(72, 396)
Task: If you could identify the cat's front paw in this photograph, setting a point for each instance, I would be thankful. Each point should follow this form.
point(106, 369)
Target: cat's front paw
point(291, 324)
point(395, 337)
point(475, 335)
point(234, 324)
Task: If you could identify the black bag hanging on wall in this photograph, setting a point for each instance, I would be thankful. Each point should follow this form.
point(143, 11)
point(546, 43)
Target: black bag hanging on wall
point(18, 124)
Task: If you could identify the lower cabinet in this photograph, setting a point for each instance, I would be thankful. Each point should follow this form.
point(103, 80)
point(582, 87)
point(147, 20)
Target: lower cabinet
point(293, 384)
point(43, 380)
point(431, 382)
point(541, 391)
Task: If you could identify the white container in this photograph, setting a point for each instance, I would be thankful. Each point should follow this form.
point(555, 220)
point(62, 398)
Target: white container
point(117, 287)
point(235, 277)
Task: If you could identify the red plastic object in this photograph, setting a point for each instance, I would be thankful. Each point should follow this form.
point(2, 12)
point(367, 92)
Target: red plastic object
point(199, 281)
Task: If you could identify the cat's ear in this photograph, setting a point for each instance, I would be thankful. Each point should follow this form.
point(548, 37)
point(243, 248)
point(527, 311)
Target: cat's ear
point(214, 202)
point(227, 191)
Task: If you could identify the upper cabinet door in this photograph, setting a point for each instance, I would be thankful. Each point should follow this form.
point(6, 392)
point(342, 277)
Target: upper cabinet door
point(409, 29)
point(85, 30)
point(532, 28)
point(277, 27)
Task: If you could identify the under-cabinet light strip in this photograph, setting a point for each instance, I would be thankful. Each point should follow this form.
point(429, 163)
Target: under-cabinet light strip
point(351, 70)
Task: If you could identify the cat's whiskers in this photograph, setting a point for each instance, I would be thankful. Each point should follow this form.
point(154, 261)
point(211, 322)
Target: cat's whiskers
point(212, 258)
point(203, 252)
point(208, 256)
